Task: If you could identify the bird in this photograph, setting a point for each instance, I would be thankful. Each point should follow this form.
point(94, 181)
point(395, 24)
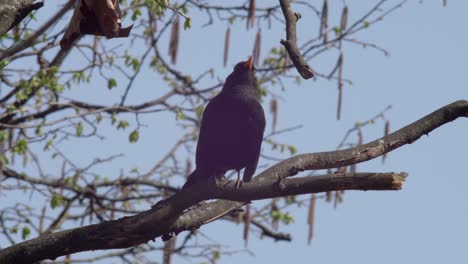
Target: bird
point(231, 130)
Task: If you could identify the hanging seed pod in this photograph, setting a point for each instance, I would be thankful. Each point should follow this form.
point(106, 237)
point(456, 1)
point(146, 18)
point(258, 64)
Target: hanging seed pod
point(10, 138)
point(343, 23)
point(340, 86)
point(274, 113)
point(247, 218)
point(310, 218)
point(287, 60)
point(338, 199)
point(227, 38)
point(251, 14)
point(257, 45)
point(188, 166)
point(324, 22)
point(174, 40)
point(2, 151)
point(274, 209)
point(239, 216)
point(168, 249)
point(386, 132)
point(344, 19)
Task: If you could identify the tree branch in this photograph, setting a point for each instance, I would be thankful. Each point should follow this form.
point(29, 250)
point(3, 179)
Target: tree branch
point(170, 215)
point(13, 12)
point(291, 41)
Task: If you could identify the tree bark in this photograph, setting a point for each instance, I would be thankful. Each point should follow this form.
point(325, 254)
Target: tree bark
point(14, 11)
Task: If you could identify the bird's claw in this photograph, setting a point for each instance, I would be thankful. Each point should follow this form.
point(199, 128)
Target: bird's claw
point(239, 183)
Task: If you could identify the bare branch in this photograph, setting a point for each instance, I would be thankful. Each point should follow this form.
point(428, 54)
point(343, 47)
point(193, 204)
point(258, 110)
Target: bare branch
point(291, 42)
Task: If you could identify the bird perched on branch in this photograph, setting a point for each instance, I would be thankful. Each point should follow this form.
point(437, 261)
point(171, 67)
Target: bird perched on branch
point(231, 131)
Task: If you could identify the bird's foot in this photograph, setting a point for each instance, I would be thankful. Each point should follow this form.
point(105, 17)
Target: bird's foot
point(239, 184)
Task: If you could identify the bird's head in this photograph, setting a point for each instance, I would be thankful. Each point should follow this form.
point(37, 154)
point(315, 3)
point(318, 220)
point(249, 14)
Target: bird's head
point(243, 74)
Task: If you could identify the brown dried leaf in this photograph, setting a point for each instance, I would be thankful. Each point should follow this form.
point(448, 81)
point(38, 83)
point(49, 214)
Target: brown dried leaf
point(227, 38)
point(310, 218)
point(174, 40)
point(98, 17)
point(247, 218)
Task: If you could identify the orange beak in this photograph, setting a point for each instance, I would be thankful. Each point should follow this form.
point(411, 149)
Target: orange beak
point(249, 63)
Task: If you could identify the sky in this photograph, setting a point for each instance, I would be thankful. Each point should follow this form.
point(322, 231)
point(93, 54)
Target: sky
point(425, 222)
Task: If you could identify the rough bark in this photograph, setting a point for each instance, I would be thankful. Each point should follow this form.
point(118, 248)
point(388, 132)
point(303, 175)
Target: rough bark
point(13, 11)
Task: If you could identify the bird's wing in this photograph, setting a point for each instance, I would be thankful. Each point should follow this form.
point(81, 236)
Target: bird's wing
point(212, 133)
point(256, 124)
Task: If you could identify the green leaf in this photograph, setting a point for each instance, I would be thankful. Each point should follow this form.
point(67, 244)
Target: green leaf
point(136, 14)
point(187, 23)
point(337, 30)
point(3, 64)
point(292, 150)
point(122, 124)
point(21, 146)
point(14, 230)
point(26, 232)
point(79, 129)
point(48, 144)
point(199, 110)
point(98, 118)
point(111, 83)
point(135, 64)
point(180, 116)
point(366, 24)
point(3, 135)
point(55, 201)
point(134, 136)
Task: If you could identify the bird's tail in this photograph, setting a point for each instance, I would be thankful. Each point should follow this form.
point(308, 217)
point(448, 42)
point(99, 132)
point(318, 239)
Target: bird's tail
point(193, 178)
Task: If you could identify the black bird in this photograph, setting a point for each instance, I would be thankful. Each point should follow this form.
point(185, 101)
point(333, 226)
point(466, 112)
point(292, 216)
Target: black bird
point(231, 131)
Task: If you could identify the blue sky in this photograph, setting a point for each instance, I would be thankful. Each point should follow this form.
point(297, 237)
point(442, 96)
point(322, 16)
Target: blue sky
point(426, 221)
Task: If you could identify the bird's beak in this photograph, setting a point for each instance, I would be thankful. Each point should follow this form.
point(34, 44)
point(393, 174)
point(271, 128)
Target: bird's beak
point(249, 63)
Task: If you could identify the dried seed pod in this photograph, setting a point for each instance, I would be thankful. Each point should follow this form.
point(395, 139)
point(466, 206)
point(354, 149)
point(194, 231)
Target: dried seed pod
point(274, 112)
point(386, 132)
point(324, 22)
point(310, 218)
point(338, 199)
point(344, 19)
point(174, 40)
point(340, 86)
point(188, 166)
point(247, 218)
point(168, 249)
point(257, 45)
point(251, 14)
point(274, 208)
point(227, 38)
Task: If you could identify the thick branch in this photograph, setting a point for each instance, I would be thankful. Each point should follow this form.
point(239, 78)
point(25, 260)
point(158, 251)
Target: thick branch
point(13, 12)
point(168, 216)
point(291, 42)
